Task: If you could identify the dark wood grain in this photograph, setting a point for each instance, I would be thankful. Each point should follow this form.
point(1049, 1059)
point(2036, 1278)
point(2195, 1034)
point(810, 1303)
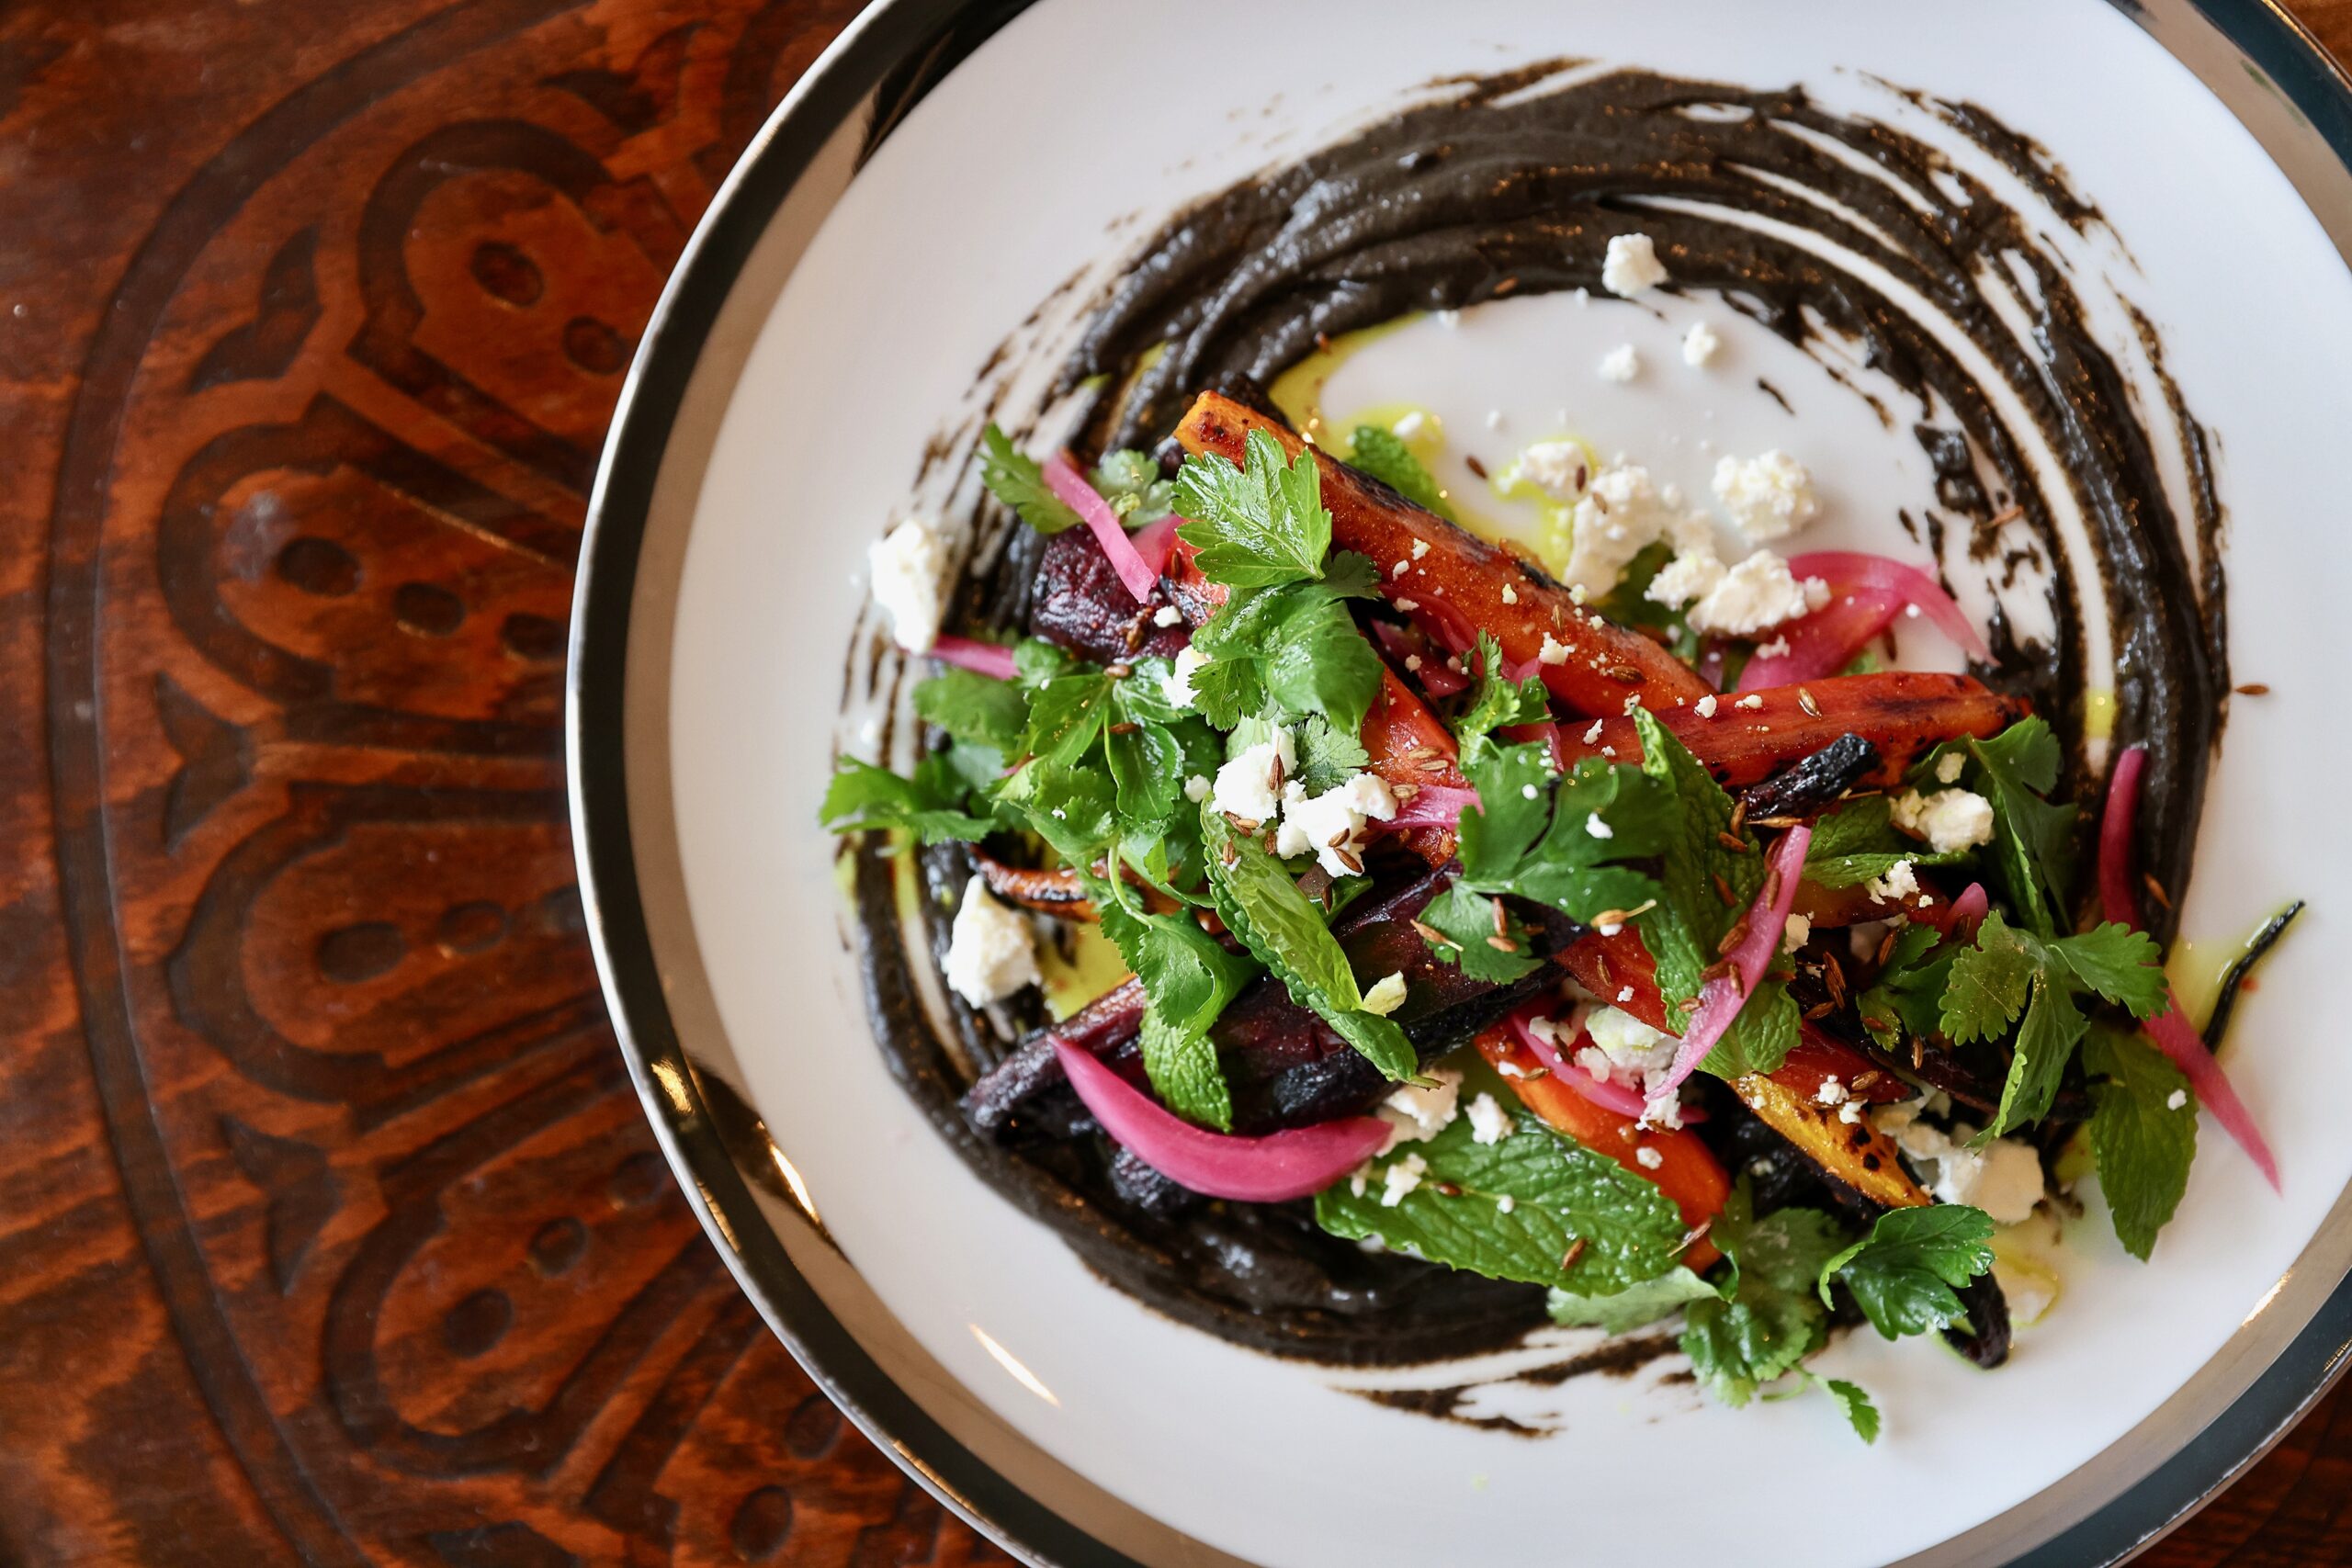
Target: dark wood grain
point(329, 1229)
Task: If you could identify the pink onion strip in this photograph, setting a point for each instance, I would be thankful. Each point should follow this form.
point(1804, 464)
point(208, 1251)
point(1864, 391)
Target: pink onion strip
point(1721, 998)
point(1613, 1097)
point(1961, 917)
point(1294, 1163)
point(1064, 480)
point(2170, 1031)
point(1867, 592)
point(1154, 542)
point(979, 658)
point(1433, 806)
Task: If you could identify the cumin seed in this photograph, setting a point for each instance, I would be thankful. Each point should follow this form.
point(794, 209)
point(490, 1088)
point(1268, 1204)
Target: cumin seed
point(2252, 689)
point(2155, 888)
point(1569, 1258)
point(1502, 944)
point(1724, 892)
point(1125, 726)
point(1804, 700)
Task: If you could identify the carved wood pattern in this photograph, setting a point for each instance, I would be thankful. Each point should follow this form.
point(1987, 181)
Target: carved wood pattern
point(329, 1228)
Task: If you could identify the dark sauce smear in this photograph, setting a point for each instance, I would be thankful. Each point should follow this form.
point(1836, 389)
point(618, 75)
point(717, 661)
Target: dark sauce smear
point(1508, 186)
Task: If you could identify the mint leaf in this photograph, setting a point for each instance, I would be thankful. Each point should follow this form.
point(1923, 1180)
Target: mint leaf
point(2044, 1043)
point(1684, 931)
point(1635, 1306)
point(1857, 841)
point(1560, 1193)
point(1760, 1037)
point(1284, 930)
point(1188, 979)
point(2141, 1140)
point(974, 707)
point(1384, 455)
point(2033, 840)
point(1497, 702)
point(2121, 964)
point(930, 805)
point(1902, 1274)
point(1257, 525)
point(1856, 1405)
point(1019, 481)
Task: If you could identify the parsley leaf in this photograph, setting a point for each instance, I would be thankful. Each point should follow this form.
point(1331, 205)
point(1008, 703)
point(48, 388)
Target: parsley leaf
point(974, 707)
point(1258, 525)
point(1294, 648)
point(1560, 1193)
point(930, 805)
point(1384, 455)
point(2033, 840)
point(1766, 1319)
point(1284, 930)
point(1635, 1306)
point(1496, 702)
point(1073, 808)
point(1906, 999)
point(1019, 481)
point(2008, 971)
point(1856, 1405)
point(2140, 1139)
point(1903, 1274)
point(1187, 979)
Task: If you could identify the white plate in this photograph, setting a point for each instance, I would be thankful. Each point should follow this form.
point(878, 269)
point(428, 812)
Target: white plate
point(832, 315)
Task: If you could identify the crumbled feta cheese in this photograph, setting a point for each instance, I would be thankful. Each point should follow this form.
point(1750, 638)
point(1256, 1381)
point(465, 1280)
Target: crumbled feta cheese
point(1402, 1179)
point(1948, 767)
point(1558, 469)
point(1489, 1122)
point(907, 565)
point(1408, 605)
point(1493, 419)
point(1691, 575)
point(1759, 592)
point(1387, 994)
point(1330, 826)
point(1706, 706)
point(1632, 1048)
point(1851, 1112)
point(1699, 343)
point(1831, 1092)
point(1415, 1112)
point(1592, 735)
point(1554, 651)
point(2004, 1177)
point(1950, 819)
point(1413, 663)
point(1249, 786)
point(1400, 568)
point(2175, 1100)
point(1410, 426)
point(1794, 932)
point(1421, 548)
point(1196, 788)
point(1769, 497)
point(1776, 649)
point(1749, 701)
point(1177, 685)
point(1630, 266)
point(1899, 883)
point(1510, 594)
point(1505, 1203)
point(990, 952)
point(1359, 1179)
point(1167, 615)
point(1596, 828)
point(1622, 511)
point(1619, 364)
point(1648, 1159)
point(1528, 792)
point(1625, 994)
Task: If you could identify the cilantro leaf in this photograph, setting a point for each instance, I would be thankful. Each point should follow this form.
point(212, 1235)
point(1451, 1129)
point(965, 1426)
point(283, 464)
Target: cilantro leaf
point(1019, 481)
point(1907, 995)
point(1635, 1306)
point(1683, 932)
point(1384, 455)
point(1131, 482)
point(1497, 703)
point(1766, 1320)
point(1465, 918)
point(974, 707)
point(1188, 979)
point(930, 805)
point(2141, 1141)
point(1560, 1193)
point(1856, 1406)
point(1284, 930)
point(1258, 525)
point(1328, 755)
point(1902, 1274)
point(2008, 972)
point(2033, 840)
point(1293, 647)
point(1037, 661)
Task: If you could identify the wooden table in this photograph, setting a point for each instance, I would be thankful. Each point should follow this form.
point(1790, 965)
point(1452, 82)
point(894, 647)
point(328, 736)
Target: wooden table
point(330, 1231)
